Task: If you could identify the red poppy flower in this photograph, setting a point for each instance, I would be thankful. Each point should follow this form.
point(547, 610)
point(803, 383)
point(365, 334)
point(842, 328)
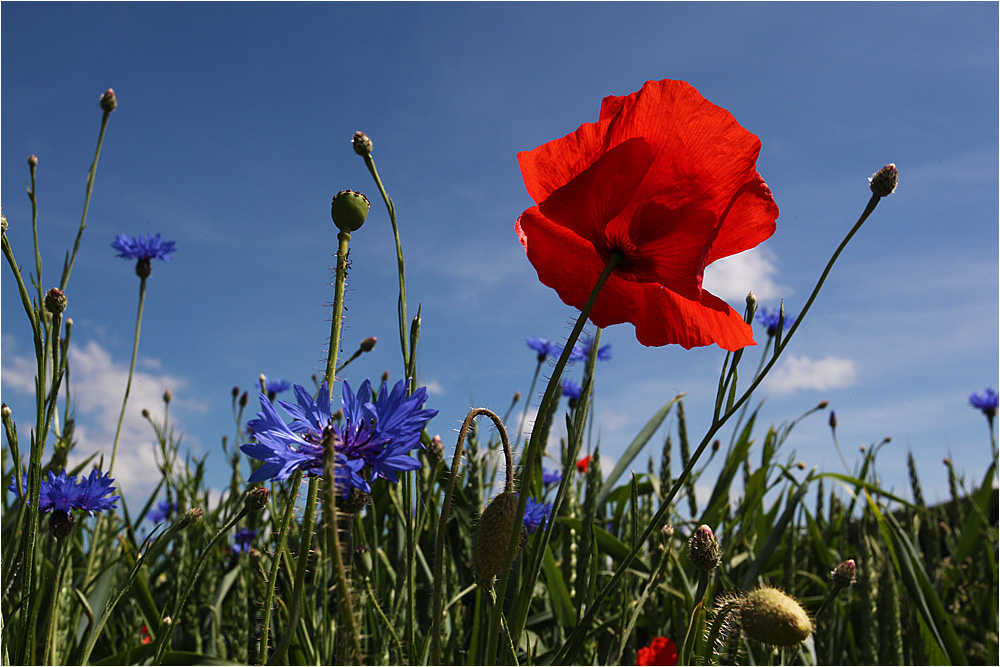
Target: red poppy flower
point(661, 651)
point(583, 465)
point(144, 633)
point(668, 181)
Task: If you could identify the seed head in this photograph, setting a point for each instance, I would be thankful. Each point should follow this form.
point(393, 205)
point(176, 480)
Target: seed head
point(883, 182)
point(349, 209)
point(493, 534)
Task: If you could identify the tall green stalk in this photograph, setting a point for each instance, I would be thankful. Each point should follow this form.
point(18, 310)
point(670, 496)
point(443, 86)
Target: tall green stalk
point(131, 370)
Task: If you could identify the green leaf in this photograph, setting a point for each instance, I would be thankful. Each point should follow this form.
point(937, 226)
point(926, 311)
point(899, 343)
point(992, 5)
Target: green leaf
point(608, 543)
point(562, 604)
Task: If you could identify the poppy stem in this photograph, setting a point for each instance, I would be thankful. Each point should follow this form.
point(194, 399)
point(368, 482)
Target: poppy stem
point(528, 464)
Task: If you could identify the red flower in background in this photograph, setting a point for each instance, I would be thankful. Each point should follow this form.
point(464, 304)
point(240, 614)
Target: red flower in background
point(661, 651)
point(144, 633)
point(668, 181)
point(583, 465)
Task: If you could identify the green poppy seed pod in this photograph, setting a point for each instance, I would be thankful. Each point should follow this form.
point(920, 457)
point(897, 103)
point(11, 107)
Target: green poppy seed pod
point(493, 534)
point(109, 101)
point(349, 209)
point(704, 550)
point(61, 524)
point(883, 182)
point(845, 574)
point(772, 617)
point(55, 301)
point(256, 499)
point(362, 144)
point(368, 344)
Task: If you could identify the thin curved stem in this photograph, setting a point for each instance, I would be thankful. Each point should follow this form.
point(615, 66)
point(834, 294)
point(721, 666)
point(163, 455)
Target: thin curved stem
point(131, 371)
point(275, 561)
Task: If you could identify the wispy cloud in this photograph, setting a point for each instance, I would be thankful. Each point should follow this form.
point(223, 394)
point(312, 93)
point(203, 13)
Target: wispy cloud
point(797, 373)
point(733, 277)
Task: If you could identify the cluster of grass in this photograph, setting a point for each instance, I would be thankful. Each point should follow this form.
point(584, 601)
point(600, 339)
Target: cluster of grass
point(605, 576)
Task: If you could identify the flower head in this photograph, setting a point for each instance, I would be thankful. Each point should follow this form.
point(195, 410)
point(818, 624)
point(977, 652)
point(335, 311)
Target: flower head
point(162, 511)
point(143, 247)
point(665, 180)
point(987, 402)
point(661, 651)
point(582, 351)
point(535, 515)
point(550, 478)
point(276, 386)
point(583, 465)
point(376, 434)
point(769, 318)
point(571, 390)
point(242, 540)
point(883, 182)
point(544, 347)
point(65, 493)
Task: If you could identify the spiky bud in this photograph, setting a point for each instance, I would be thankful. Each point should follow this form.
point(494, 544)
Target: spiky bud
point(349, 209)
point(883, 182)
point(256, 499)
point(773, 617)
point(493, 533)
point(61, 524)
point(845, 574)
point(55, 301)
point(435, 451)
point(362, 144)
point(193, 515)
point(368, 344)
point(704, 550)
point(109, 101)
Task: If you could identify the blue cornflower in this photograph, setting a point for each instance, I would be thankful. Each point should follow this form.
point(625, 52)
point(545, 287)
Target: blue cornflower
point(544, 347)
point(535, 515)
point(143, 247)
point(375, 434)
point(582, 351)
point(275, 387)
point(987, 402)
point(162, 511)
point(550, 478)
point(66, 493)
point(241, 542)
point(770, 320)
point(571, 390)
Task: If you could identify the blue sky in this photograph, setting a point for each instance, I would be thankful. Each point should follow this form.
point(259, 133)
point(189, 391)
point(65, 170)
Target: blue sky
point(233, 132)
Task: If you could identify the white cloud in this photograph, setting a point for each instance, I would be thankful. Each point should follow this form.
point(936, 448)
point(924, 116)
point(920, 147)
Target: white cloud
point(434, 388)
point(733, 277)
point(796, 373)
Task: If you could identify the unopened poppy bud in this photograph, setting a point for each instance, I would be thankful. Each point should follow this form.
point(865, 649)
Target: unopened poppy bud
point(493, 534)
point(32, 161)
point(167, 396)
point(362, 144)
point(703, 549)
point(368, 344)
point(833, 419)
point(61, 524)
point(55, 301)
point(193, 515)
point(883, 182)
point(349, 209)
point(109, 101)
point(845, 574)
point(772, 617)
point(256, 499)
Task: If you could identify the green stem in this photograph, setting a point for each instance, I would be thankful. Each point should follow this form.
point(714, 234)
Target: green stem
point(34, 231)
point(131, 371)
point(275, 561)
point(343, 239)
point(49, 653)
point(530, 455)
point(576, 638)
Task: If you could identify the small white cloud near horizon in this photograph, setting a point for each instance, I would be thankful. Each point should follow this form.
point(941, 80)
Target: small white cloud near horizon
point(800, 372)
point(731, 278)
point(434, 388)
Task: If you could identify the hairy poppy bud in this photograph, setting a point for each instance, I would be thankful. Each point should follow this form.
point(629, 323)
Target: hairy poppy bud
point(703, 549)
point(349, 209)
point(845, 574)
point(883, 182)
point(368, 344)
point(362, 144)
point(109, 101)
point(772, 617)
point(493, 534)
point(55, 301)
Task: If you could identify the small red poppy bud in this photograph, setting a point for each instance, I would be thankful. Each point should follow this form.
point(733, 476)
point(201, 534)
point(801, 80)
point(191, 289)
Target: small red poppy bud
point(109, 101)
point(55, 301)
point(349, 209)
point(362, 144)
point(368, 344)
point(883, 182)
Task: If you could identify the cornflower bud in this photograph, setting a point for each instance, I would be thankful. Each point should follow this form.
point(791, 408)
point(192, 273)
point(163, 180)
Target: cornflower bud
point(193, 515)
point(362, 144)
point(517, 396)
point(883, 182)
point(55, 301)
point(167, 396)
point(435, 451)
point(256, 499)
point(772, 617)
point(235, 392)
point(109, 101)
point(368, 344)
point(244, 399)
point(32, 161)
point(5, 411)
point(704, 550)
point(385, 376)
point(823, 405)
point(3, 224)
point(61, 524)
point(145, 413)
point(845, 574)
point(833, 419)
point(349, 209)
